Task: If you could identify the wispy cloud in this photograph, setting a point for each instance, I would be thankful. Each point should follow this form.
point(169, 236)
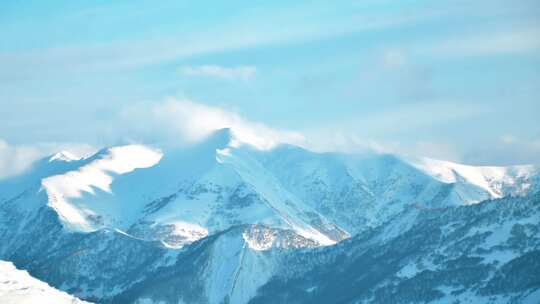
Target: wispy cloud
point(182, 121)
point(238, 34)
point(393, 58)
point(516, 41)
point(506, 150)
point(243, 73)
point(413, 116)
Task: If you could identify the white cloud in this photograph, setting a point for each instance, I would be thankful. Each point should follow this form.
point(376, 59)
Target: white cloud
point(413, 116)
point(181, 121)
point(339, 141)
point(184, 122)
point(508, 139)
point(243, 73)
point(507, 150)
point(331, 140)
point(492, 43)
point(245, 31)
point(393, 58)
point(15, 159)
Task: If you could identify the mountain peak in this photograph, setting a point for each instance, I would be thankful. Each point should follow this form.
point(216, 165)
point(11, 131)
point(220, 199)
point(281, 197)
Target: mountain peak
point(222, 138)
point(229, 137)
point(63, 156)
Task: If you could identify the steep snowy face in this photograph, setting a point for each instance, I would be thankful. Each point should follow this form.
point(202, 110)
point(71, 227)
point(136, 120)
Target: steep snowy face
point(81, 197)
point(227, 267)
point(18, 287)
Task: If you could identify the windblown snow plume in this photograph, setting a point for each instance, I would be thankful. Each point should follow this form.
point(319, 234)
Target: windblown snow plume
point(181, 120)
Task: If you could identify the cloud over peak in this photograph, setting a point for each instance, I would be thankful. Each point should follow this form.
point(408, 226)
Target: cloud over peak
point(182, 121)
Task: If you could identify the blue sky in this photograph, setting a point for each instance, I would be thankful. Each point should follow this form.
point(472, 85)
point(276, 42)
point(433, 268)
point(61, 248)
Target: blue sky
point(457, 80)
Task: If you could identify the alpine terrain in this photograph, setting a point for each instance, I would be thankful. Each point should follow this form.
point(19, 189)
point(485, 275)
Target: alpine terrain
point(222, 221)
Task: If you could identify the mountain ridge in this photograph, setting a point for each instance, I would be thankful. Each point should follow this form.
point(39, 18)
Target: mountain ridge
point(108, 226)
point(90, 193)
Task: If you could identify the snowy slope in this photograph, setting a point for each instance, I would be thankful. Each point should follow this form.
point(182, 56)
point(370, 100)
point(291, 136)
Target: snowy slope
point(179, 196)
point(496, 182)
point(74, 195)
point(218, 217)
point(18, 287)
point(227, 267)
point(359, 191)
point(483, 253)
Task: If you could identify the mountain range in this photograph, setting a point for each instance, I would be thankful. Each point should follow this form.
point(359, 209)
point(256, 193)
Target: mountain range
point(222, 221)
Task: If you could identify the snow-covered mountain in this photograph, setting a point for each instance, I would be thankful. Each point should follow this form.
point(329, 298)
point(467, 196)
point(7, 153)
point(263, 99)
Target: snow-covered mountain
point(18, 287)
point(108, 226)
point(485, 253)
